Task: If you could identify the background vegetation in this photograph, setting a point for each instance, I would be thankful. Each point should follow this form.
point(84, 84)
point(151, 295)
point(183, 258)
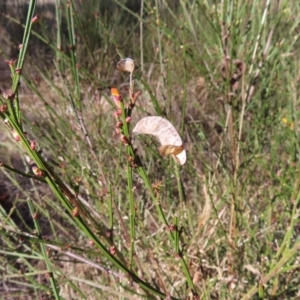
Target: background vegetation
point(84, 216)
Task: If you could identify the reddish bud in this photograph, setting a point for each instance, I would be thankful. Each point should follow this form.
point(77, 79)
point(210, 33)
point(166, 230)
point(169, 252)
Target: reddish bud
point(117, 113)
point(18, 70)
point(16, 136)
point(92, 243)
point(8, 94)
point(118, 102)
point(33, 145)
point(34, 19)
point(117, 130)
point(75, 212)
point(105, 192)
point(124, 140)
point(119, 124)
point(37, 171)
point(11, 62)
point(173, 227)
point(128, 119)
point(135, 96)
point(20, 46)
point(112, 250)
point(3, 108)
point(35, 215)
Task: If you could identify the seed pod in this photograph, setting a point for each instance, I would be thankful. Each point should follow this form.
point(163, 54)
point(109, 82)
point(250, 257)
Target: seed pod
point(126, 65)
point(165, 132)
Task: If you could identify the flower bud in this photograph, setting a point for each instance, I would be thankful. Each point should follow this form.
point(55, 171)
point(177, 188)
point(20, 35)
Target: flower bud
point(124, 140)
point(8, 94)
point(33, 145)
point(34, 19)
point(16, 135)
point(117, 113)
point(116, 96)
point(112, 250)
point(3, 108)
point(135, 96)
point(11, 62)
point(37, 171)
point(75, 212)
point(119, 124)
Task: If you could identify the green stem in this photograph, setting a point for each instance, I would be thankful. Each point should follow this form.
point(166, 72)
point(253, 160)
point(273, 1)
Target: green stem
point(72, 41)
point(129, 152)
point(58, 34)
point(44, 252)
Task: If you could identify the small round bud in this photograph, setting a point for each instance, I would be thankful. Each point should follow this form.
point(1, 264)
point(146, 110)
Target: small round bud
point(33, 145)
point(3, 108)
point(112, 250)
point(124, 140)
point(75, 212)
point(119, 124)
point(34, 19)
point(16, 136)
point(117, 113)
point(37, 171)
point(8, 94)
